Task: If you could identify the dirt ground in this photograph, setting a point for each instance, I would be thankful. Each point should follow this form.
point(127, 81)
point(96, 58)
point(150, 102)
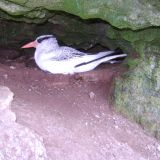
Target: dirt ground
point(73, 115)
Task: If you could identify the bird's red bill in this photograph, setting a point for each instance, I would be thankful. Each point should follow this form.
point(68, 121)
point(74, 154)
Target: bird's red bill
point(30, 45)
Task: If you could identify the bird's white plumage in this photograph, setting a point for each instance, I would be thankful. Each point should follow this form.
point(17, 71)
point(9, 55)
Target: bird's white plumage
point(51, 57)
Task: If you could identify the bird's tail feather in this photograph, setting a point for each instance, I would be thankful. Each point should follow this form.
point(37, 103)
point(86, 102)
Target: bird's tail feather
point(105, 57)
point(109, 53)
point(117, 59)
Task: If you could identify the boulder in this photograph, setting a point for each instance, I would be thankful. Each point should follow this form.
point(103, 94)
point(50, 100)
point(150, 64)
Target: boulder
point(137, 94)
point(16, 141)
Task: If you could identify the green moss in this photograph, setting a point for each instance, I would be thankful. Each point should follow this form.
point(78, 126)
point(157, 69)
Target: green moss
point(19, 1)
point(12, 8)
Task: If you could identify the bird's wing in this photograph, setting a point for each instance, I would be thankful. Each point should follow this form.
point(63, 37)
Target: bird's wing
point(69, 53)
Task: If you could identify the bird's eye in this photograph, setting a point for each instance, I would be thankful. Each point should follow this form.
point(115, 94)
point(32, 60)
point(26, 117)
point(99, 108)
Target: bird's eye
point(39, 40)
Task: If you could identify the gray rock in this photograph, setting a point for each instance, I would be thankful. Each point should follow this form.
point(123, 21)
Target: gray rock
point(17, 142)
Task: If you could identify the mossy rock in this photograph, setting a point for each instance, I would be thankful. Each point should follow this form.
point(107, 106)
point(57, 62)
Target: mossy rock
point(137, 14)
point(137, 94)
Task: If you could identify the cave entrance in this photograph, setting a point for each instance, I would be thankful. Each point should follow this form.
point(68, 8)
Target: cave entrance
point(73, 114)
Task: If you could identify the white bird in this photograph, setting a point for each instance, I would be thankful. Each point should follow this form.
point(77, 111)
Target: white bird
point(51, 57)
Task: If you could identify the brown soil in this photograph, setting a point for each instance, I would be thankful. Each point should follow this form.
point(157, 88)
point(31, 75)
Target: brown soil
point(73, 115)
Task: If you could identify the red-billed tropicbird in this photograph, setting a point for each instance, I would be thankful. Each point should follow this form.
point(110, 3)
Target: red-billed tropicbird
point(51, 57)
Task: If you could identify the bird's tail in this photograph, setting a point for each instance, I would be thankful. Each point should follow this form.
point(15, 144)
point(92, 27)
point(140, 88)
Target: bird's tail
point(120, 54)
point(110, 56)
point(103, 57)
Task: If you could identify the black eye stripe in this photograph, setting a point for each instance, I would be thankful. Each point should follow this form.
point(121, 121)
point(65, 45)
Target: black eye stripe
point(43, 38)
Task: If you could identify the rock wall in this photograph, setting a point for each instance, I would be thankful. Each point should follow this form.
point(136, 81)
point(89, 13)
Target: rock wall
point(137, 95)
point(135, 14)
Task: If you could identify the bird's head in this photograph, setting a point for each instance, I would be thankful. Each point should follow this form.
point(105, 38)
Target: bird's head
point(39, 40)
